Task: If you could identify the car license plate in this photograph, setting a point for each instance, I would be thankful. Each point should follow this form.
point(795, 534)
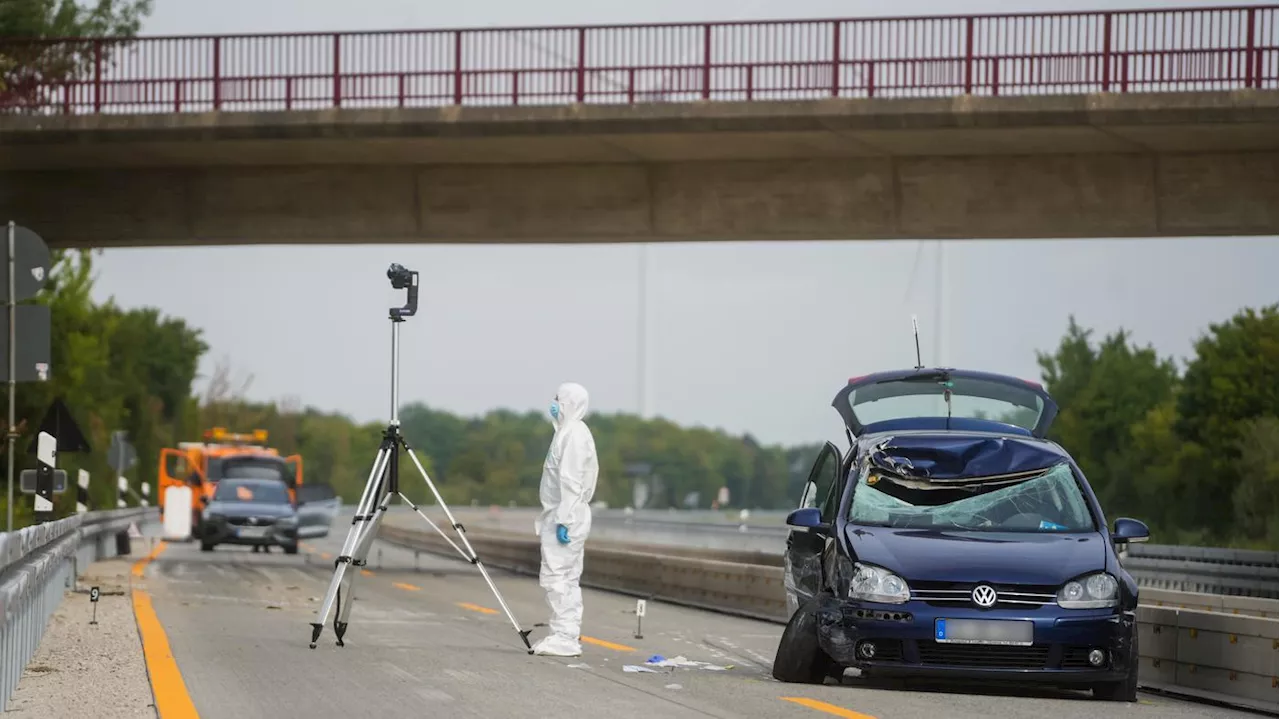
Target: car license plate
point(252, 532)
point(983, 631)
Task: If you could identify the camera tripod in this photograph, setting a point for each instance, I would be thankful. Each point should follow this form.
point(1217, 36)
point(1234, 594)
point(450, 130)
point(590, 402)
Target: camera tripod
point(382, 486)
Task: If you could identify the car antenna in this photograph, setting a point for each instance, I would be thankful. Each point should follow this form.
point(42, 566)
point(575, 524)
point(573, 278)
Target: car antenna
point(915, 329)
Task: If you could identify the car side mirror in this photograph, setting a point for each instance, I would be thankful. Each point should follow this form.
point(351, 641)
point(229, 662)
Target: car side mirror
point(809, 517)
point(1130, 530)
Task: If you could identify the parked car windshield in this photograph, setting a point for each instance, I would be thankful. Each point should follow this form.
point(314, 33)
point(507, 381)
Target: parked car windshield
point(1049, 501)
point(232, 490)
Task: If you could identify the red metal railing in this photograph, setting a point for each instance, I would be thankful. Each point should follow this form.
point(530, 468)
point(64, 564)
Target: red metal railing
point(1122, 51)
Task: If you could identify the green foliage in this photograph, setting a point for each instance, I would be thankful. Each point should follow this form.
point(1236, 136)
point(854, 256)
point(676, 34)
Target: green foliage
point(115, 370)
point(1102, 393)
point(1194, 456)
point(38, 46)
point(1257, 469)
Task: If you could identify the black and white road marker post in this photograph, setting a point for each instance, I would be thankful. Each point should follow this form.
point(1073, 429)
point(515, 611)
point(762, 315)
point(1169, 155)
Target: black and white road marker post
point(46, 456)
point(82, 492)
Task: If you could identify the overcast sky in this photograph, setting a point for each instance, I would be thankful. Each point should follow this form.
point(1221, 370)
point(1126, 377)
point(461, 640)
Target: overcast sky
point(748, 337)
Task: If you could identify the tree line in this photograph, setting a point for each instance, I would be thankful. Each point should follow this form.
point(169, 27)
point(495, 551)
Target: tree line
point(1192, 450)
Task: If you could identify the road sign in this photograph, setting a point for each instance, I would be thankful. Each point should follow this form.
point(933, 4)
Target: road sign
point(59, 423)
point(27, 481)
point(121, 455)
point(31, 265)
point(34, 343)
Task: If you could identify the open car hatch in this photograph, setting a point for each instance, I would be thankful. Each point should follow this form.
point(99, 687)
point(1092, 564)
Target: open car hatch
point(945, 399)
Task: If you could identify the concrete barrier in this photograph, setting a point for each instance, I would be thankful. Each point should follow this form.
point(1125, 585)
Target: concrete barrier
point(1209, 654)
point(1203, 645)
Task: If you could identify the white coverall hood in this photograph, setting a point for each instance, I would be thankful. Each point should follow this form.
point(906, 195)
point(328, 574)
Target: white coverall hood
point(568, 485)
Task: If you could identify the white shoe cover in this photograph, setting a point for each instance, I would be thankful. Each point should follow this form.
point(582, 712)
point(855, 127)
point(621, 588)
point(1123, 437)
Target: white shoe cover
point(555, 645)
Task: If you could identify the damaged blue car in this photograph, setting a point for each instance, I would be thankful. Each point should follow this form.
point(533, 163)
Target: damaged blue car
point(954, 541)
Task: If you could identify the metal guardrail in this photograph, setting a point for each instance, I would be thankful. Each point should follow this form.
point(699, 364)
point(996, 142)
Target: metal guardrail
point(1149, 50)
point(1202, 570)
point(1208, 570)
point(1201, 644)
point(36, 565)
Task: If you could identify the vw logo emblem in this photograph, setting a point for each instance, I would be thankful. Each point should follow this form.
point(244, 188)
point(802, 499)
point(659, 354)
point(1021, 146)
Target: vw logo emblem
point(984, 596)
point(254, 520)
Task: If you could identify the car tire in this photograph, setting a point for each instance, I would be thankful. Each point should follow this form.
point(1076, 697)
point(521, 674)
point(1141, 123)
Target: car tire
point(1127, 689)
point(800, 659)
point(206, 547)
point(291, 548)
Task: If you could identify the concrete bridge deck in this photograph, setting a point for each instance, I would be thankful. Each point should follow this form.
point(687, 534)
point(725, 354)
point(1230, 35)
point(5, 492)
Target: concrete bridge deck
point(1101, 165)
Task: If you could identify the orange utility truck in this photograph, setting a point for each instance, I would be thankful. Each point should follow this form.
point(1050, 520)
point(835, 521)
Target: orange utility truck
point(199, 465)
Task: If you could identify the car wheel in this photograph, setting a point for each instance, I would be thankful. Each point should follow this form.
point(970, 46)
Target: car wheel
point(1125, 690)
point(291, 548)
point(800, 658)
point(206, 547)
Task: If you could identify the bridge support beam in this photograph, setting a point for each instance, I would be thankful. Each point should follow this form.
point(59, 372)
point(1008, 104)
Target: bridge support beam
point(1044, 196)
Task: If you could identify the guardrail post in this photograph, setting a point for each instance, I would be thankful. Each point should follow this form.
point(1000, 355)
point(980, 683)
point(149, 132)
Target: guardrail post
point(337, 70)
point(968, 56)
point(582, 64)
point(97, 76)
point(217, 73)
point(835, 58)
point(457, 67)
point(1249, 77)
point(1106, 52)
point(706, 61)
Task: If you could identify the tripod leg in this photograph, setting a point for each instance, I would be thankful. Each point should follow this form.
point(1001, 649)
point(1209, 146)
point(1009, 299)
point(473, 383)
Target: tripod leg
point(364, 512)
point(359, 559)
point(470, 554)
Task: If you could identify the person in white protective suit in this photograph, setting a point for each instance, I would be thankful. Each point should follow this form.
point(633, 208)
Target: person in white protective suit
point(568, 484)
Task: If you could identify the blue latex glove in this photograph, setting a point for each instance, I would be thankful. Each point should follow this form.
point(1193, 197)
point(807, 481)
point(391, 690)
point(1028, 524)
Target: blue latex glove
point(562, 533)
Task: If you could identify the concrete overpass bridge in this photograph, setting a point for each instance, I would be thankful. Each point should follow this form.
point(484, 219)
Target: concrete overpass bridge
point(1098, 124)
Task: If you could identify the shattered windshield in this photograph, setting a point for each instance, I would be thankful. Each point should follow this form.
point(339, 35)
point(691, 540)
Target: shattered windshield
point(1044, 501)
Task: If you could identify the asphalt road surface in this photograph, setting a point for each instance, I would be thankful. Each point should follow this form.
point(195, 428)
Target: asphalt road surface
point(429, 641)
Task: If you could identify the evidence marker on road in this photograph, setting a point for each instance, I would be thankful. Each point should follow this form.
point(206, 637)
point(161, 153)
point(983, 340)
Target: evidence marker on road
point(94, 593)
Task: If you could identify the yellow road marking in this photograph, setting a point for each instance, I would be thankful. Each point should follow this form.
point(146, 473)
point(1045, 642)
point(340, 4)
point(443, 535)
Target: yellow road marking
point(831, 709)
point(607, 645)
point(477, 608)
point(326, 555)
point(170, 692)
point(140, 566)
point(406, 587)
point(366, 573)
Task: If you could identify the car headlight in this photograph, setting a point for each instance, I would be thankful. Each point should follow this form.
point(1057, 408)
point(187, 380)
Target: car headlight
point(877, 584)
point(1094, 591)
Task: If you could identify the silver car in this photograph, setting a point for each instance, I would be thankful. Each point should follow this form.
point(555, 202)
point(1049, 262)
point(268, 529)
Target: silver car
point(318, 506)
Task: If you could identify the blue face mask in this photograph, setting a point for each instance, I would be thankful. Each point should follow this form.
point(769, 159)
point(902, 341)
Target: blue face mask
point(555, 410)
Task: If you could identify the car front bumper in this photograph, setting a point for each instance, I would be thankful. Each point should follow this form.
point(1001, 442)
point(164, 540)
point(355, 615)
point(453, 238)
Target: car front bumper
point(904, 644)
point(221, 532)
